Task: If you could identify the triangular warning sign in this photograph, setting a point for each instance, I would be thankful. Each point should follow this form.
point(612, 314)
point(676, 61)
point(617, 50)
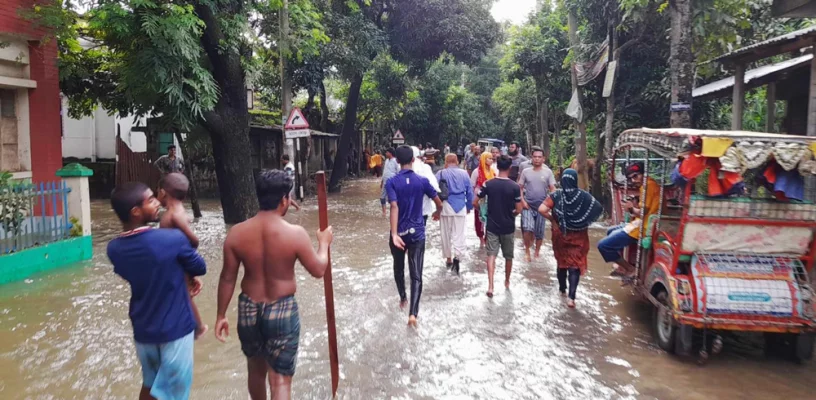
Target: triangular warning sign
point(296, 120)
point(398, 135)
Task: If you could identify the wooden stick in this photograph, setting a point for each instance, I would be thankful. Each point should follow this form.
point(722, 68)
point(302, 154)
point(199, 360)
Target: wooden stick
point(323, 216)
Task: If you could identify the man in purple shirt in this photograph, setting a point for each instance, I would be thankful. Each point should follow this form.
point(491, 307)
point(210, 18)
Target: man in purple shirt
point(154, 262)
point(406, 192)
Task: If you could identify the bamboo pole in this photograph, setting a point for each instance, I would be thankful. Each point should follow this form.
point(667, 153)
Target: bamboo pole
point(323, 217)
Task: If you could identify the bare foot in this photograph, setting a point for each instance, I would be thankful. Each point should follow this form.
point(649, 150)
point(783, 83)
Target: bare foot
point(412, 321)
point(563, 294)
point(537, 255)
point(571, 303)
point(527, 256)
point(490, 294)
point(403, 303)
point(201, 330)
point(507, 284)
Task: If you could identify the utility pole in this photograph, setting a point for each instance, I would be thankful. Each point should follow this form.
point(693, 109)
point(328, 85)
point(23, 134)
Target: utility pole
point(580, 140)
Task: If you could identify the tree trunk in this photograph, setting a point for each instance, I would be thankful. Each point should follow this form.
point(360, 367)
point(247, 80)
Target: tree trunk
point(681, 61)
point(324, 109)
point(545, 134)
point(190, 173)
point(606, 141)
point(228, 122)
point(580, 138)
point(349, 123)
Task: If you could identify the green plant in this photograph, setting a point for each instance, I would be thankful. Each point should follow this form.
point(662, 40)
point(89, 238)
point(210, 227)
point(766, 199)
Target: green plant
point(76, 228)
point(15, 199)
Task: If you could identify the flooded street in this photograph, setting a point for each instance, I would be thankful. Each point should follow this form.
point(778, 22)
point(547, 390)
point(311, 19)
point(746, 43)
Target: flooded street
point(66, 334)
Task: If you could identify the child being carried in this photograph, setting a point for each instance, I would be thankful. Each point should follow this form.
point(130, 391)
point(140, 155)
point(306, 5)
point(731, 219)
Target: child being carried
point(172, 191)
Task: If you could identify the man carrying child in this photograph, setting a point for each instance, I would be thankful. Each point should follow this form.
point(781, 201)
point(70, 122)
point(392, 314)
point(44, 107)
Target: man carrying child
point(156, 264)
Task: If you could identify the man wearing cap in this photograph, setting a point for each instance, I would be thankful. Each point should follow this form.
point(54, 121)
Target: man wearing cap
point(621, 237)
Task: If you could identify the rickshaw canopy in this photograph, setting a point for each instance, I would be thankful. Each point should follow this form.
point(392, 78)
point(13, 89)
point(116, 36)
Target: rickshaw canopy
point(669, 142)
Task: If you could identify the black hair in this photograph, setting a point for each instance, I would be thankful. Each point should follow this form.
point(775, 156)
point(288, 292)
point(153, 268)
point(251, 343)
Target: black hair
point(504, 163)
point(171, 147)
point(534, 149)
point(126, 197)
point(390, 150)
point(285, 157)
point(176, 185)
point(515, 143)
point(404, 155)
point(272, 185)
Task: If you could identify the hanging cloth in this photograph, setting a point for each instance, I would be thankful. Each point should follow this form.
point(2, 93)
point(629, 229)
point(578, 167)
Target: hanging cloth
point(715, 147)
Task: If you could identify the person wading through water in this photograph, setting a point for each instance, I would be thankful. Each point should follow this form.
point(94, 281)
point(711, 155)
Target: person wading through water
point(478, 178)
point(503, 205)
point(455, 208)
point(268, 318)
point(406, 192)
point(571, 211)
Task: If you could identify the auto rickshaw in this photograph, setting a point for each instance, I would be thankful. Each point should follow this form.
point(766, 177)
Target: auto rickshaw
point(732, 246)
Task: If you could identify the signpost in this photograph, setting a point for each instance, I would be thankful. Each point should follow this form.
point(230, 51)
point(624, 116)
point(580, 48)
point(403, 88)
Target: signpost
point(296, 128)
point(398, 138)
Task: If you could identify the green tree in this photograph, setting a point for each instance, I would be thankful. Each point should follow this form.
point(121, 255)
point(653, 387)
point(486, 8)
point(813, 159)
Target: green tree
point(413, 31)
point(184, 60)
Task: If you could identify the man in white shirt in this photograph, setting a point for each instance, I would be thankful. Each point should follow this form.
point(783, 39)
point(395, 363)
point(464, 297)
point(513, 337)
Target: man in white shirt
point(425, 171)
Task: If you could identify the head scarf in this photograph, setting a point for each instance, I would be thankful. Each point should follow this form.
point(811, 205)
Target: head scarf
point(574, 208)
point(485, 172)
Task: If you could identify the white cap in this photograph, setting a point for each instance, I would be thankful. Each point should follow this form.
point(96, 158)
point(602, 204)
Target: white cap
point(417, 153)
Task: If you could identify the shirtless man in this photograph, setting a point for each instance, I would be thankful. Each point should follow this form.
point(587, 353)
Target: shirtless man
point(268, 319)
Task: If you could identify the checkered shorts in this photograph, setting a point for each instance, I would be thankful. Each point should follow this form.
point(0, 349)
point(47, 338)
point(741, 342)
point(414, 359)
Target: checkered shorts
point(271, 330)
point(532, 221)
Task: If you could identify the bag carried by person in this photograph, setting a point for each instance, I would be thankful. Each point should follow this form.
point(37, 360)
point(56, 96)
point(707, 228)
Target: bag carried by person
point(444, 192)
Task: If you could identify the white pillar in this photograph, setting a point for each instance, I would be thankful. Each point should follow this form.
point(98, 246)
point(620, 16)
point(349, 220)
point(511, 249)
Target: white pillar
point(79, 199)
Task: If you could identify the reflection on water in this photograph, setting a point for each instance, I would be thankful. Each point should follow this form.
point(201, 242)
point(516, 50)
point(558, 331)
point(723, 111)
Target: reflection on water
point(66, 334)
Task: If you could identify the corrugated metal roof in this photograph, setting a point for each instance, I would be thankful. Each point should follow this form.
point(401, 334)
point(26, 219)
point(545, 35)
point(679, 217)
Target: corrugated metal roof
point(750, 75)
point(788, 37)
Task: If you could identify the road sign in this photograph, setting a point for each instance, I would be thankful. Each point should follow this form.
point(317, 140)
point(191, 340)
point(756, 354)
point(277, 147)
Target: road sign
point(680, 107)
point(296, 121)
point(398, 138)
point(298, 133)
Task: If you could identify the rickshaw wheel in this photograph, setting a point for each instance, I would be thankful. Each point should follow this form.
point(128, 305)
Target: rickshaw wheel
point(803, 352)
point(664, 330)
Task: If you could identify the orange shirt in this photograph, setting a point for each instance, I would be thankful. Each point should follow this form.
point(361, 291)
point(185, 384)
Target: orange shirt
point(650, 201)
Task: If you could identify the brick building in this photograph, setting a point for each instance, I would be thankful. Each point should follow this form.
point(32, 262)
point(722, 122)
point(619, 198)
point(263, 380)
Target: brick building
point(30, 121)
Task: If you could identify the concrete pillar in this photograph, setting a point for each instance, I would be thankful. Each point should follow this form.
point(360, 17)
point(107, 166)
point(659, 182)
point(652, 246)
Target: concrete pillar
point(739, 98)
point(811, 120)
point(79, 199)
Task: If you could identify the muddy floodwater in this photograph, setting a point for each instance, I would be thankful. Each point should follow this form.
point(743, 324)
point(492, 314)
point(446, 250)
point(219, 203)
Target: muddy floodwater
point(66, 334)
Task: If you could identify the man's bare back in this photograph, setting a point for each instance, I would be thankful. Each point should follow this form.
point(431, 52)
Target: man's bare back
point(268, 247)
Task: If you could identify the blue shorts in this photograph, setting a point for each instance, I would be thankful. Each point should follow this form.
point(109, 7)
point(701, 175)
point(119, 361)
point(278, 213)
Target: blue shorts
point(167, 368)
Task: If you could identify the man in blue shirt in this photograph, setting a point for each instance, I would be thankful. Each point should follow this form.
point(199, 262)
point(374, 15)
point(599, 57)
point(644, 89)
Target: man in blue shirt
point(154, 262)
point(406, 192)
point(454, 210)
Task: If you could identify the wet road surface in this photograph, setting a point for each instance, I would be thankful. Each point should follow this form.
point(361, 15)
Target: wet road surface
point(66, 334)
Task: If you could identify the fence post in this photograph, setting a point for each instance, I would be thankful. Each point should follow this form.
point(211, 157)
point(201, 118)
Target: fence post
point(79, 200)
